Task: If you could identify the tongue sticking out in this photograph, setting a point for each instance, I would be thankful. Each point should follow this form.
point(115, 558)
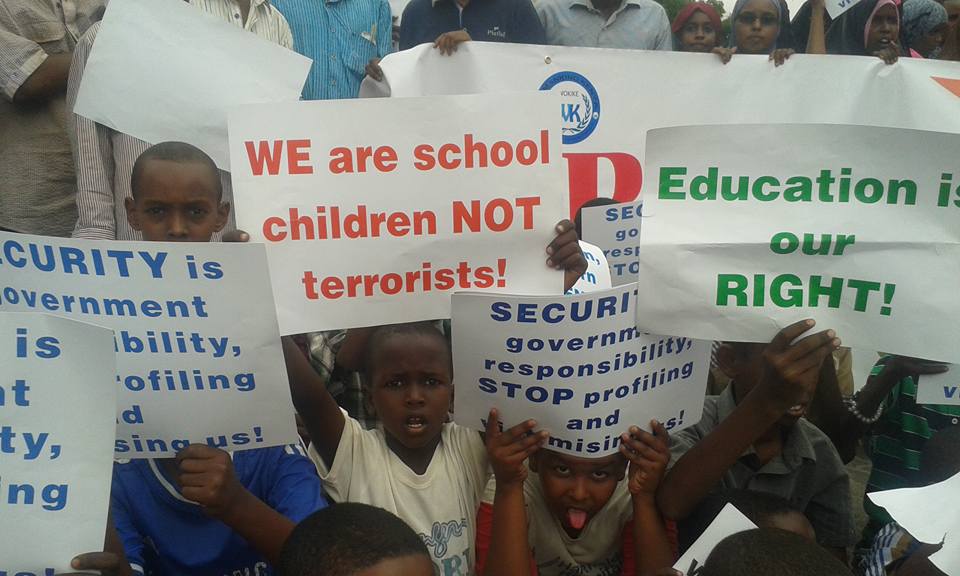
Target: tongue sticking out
point(576, 518)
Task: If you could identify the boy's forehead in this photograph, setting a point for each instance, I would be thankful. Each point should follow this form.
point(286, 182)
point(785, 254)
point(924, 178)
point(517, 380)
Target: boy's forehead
point(582, 463)
point(161, 177)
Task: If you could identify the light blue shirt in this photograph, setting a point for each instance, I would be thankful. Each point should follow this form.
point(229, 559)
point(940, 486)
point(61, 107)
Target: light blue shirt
point(341, 36)
point(636, 24)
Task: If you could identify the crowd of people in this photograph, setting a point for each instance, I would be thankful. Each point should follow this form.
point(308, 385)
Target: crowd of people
point(383, 482)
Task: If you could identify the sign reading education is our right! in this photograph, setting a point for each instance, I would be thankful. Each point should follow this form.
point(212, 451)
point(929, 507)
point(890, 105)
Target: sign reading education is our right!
point(749, 228)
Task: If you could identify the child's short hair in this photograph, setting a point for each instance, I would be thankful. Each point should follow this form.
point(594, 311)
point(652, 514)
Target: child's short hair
point(940, 458)
point(771, 551)
point(382, 333)
point(761, 508)
point(344, 539)
point(173, 152)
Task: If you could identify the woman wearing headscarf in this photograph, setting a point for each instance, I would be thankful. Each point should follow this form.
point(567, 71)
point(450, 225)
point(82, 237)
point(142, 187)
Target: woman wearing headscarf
point(759, 27)
point(870, 28)
point(924, 27)
point(697, 28)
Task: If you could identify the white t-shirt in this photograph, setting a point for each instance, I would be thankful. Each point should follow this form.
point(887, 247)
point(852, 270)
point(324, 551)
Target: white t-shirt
point(441, 505)
point(596, 552)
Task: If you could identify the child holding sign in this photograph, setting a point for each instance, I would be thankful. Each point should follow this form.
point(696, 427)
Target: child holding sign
point(427, 471)
point(207, 511)
point(572, 515)
point(754, 436)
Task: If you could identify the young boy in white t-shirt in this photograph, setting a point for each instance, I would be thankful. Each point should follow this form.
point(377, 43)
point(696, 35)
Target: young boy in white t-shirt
point(427, 471)
point(571, 515)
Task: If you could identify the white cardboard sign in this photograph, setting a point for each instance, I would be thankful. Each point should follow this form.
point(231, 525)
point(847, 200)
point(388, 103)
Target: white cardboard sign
point(576, 364)
point(57, 425)
point(199, 357)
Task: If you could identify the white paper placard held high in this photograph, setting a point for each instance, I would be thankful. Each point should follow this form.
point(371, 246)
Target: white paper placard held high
point(942, 389)
point(728, 522)
point(199, 358)
point(164, 70)
point(576, 365)
point(616, 229)
point(597, 276)
point(929, 515)
point(740, 241)
point(57, 410)
point(366, 226)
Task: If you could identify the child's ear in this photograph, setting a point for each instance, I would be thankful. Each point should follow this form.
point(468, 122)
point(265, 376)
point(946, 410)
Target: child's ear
point(133, 216)
point(223, 215)
point(728, 360)
point(533, 462)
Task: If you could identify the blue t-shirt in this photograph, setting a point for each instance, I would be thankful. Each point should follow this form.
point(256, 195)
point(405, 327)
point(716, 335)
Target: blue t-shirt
point(166, 535)
point(514, 21)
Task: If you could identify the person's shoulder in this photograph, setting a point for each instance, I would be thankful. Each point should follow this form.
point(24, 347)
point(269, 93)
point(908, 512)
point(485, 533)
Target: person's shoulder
point(416, 7)
point(552, 7)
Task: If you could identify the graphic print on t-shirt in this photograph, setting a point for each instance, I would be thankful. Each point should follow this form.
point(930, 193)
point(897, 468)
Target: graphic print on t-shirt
point(443, 537)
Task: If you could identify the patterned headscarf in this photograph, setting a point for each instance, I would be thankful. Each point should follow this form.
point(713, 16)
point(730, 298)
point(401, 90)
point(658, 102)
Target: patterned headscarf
point(921, 17)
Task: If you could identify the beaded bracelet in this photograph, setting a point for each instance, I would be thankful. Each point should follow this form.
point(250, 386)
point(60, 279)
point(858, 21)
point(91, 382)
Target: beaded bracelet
point(851, 404)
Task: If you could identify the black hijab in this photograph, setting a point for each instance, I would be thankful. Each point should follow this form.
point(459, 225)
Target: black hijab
point(847, 34)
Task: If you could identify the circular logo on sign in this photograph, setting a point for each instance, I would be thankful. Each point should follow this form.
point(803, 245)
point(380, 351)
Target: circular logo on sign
point(580, 106)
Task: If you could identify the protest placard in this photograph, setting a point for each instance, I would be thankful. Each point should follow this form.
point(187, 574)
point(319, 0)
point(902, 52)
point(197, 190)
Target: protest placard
point(837, 7)
point(728, 522)
point(199, 358)
point(164, 70)
point(616, 229)
point(942, 389)
point(366, 226)
point(576, 364)
point(57, 422)
point(597, 276)
point(606, 113)
point(929, 515)
point(803, 221)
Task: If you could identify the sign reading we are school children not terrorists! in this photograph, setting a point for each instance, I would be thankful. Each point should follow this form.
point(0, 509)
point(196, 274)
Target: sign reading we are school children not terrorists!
point(829, 222)
point(367, 226)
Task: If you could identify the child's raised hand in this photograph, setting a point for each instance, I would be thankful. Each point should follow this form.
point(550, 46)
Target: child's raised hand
point(564, 253)
point(207, 478)
point(791, 371)
point(648, 455)
point(509, 450)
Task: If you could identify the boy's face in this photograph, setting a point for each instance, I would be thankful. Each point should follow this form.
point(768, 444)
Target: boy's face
point(744, 363)
point(177, 202)
point(411, 387)
point(577, 488)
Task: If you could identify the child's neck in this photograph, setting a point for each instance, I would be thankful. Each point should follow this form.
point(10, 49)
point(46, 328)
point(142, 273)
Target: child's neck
point(770, 444)
point(416, 459)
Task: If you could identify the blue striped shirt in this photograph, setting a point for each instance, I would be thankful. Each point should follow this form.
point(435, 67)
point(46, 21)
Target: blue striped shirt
point(341, 36)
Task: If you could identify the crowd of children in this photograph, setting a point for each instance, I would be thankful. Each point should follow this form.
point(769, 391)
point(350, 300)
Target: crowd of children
point(419, 495)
